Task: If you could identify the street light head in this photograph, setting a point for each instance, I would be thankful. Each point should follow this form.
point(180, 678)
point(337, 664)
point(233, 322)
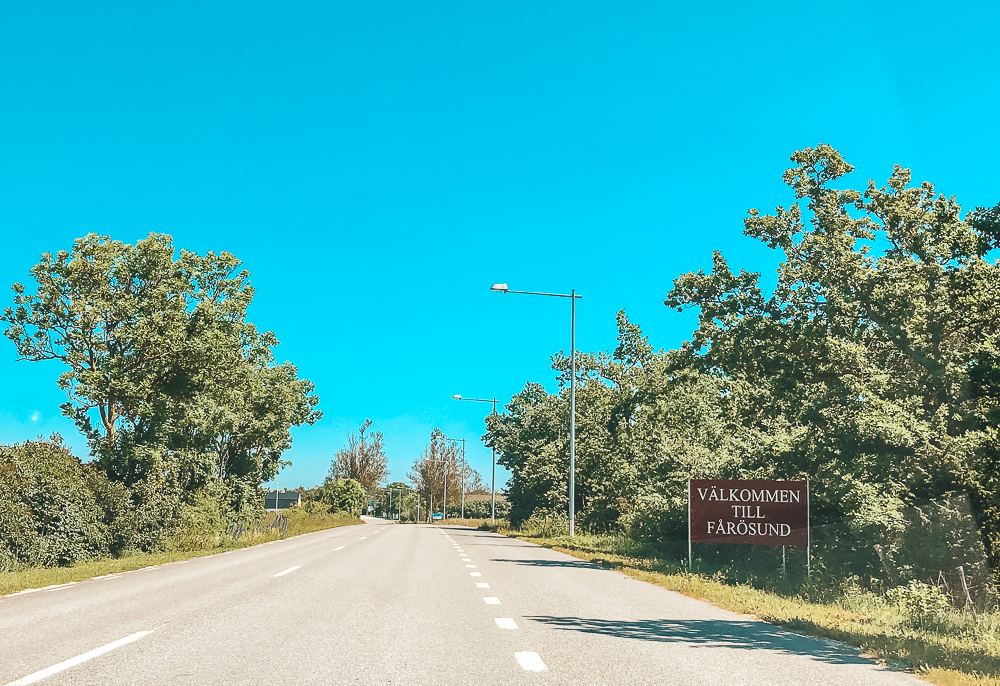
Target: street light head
point(456, 397)
point(501, 287)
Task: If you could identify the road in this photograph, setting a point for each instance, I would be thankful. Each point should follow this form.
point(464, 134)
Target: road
point(381, 604)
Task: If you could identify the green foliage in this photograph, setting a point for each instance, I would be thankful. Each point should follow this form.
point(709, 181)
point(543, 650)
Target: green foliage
point(201, 523)
point(646, 422)
point(866, 365)
point(363, 459)
point(180, 398)
point(342, 495)
point(923, 605)
point(441, 465)
point(482, 509)
point(48, 515)
point(872, 370)
point(164, 375)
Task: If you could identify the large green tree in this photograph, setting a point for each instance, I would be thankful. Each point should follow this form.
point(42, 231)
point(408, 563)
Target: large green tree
point(164, 375)
point(872, 367)
point(647, 421)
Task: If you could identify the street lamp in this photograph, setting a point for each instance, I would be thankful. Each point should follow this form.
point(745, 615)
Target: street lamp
point(502, 288)
point(465, 469)
point(493, 483)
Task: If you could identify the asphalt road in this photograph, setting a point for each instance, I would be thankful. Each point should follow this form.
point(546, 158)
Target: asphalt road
point(385, 604)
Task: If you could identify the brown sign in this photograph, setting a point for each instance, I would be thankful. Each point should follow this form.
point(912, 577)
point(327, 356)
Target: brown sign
point(750, 512)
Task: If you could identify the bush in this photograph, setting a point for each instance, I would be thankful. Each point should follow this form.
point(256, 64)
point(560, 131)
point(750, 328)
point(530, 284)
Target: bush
point(200, 522)
point(546, 523)
point(923, 605)
point(48, 514)
point(343, 495)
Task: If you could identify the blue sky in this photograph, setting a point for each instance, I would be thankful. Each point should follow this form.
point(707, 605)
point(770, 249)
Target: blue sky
point(378, 165)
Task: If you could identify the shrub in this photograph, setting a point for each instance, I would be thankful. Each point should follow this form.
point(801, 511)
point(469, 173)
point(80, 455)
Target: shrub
point(48, 515)
point(923, 605)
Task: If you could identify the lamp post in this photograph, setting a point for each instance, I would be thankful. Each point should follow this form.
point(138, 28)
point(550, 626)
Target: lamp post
point(502, 288)
point(493, 482)
point(465, 469)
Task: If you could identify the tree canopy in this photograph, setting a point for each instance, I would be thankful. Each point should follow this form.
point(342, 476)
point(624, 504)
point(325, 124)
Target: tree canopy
point(872, 369)
point(363, 460)
point(175, 391)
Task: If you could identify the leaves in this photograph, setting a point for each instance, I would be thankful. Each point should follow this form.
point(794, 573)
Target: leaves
point(164, 375)
point(363, 460)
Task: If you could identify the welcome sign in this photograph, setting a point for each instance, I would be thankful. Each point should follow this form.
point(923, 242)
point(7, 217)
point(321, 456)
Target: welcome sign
point(749, 512)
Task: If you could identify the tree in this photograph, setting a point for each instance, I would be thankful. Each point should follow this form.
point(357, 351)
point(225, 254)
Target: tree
point(343, 495)
point(873, 364)
point(165, 377)
point(646, 422)
point(440, 458)
point(363, 460)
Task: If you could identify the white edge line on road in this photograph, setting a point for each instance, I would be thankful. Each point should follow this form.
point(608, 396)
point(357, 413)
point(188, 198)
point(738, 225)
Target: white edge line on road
point(74, 661)
point(290, 569)
point(530, 662)
point(505, 622)
point(341, 547)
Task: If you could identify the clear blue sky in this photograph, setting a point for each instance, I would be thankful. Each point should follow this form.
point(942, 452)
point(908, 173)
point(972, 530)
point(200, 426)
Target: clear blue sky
point(377, 165)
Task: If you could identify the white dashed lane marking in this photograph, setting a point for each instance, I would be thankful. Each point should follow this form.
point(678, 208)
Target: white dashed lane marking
point(482, 585)
point(505, 623)
point(74, 661)
point(470, 566)
point(489, 600)
point(530, 662)
point(290, 569)
point(475, 573)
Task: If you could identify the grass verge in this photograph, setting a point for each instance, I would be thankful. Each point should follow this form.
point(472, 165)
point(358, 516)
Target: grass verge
point(962, 650)
point(40, 577)
point(474, 523)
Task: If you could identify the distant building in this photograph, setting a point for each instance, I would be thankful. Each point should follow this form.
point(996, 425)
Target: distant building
point(286, 499)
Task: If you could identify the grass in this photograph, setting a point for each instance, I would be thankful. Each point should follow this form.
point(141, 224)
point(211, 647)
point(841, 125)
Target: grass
point(953, 649)
point(40, 577)
point(457, 521)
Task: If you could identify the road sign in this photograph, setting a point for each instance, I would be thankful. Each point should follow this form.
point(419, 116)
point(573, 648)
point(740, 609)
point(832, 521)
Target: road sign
point(749, 512)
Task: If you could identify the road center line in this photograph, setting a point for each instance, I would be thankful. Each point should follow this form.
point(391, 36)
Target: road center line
point(341, 547)
point(505, 623)
point(363, 538)
point(491, 601)
point(475, 573)
point(470, 566)
point(482, 585)
point(290, 569)
point(530, 662)
point(74, 661)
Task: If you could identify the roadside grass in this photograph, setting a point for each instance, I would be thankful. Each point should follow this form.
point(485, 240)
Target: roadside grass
point(40, 577)
point(474, 523)
point(955, 649)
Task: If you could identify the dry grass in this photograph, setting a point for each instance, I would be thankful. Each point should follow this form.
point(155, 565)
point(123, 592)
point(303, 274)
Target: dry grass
point(40, 577)
point(958, 650)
